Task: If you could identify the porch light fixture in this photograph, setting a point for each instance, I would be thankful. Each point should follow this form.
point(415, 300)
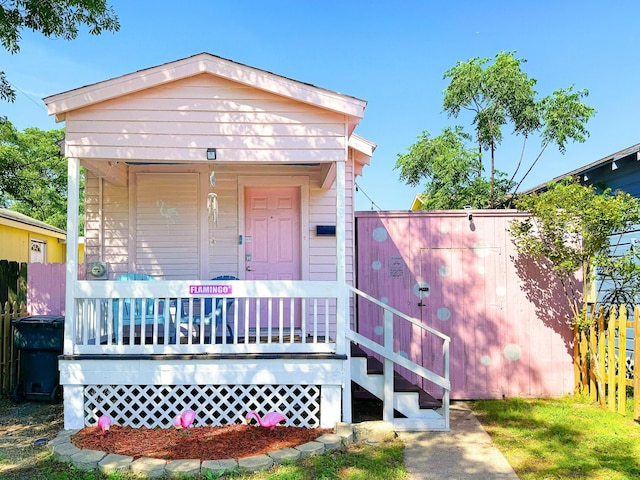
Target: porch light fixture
point(211, 153)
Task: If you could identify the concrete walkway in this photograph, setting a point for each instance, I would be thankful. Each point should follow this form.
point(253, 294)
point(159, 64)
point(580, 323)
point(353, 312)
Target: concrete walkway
point(466, 452)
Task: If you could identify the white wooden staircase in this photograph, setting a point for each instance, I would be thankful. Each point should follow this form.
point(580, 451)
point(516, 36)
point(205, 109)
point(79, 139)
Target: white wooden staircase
point(413, 408)
point(407, 406)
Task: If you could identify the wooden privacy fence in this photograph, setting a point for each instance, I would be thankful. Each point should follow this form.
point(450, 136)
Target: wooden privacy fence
point(8, 354)
point(603, 370)
point(13, 281)
point(26, 289)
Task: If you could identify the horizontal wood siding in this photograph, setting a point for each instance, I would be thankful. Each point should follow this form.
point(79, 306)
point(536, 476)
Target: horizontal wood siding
point(168, 225)
point(625, 177)
point(107, 242)
point(179, 121)
point(505, 315)
point(221, 249)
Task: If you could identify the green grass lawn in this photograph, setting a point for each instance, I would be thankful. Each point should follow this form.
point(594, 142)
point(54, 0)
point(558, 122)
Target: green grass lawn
point(542, 439)
point(562, 438)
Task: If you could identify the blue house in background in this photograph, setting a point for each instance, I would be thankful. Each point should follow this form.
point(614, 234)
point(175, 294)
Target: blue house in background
point(618, 171)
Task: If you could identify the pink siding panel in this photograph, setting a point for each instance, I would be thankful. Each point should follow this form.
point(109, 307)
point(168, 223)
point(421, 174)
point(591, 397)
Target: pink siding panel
point(46, 288)
point(507, 319)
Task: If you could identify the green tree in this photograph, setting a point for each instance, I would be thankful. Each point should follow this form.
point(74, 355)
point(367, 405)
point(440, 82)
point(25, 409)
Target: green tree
point(499, 94)
point(52, 18)
point(34, 174)
point(571, 225)
point(450, 169)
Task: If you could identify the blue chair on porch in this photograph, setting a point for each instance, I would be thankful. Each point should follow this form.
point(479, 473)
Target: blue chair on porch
point(132, 314)
point(214, 316)
point(217, 314)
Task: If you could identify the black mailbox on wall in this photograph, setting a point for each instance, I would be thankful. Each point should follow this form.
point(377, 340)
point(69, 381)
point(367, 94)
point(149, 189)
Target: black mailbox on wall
point(326, 230)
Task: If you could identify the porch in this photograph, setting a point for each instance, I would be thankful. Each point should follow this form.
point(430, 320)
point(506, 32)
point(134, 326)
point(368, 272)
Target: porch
point(280, 345)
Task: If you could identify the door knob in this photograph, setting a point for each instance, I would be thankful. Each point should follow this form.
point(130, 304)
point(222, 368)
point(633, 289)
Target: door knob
point(249, 269)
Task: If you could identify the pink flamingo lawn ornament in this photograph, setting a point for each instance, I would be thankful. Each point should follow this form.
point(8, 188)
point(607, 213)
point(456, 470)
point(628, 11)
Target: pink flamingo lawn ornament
point(270, 420)
point(185, 420)
point(104, 423)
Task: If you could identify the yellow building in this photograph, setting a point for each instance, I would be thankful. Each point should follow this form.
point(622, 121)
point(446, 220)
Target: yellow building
point(417, 203)
point(24, 239)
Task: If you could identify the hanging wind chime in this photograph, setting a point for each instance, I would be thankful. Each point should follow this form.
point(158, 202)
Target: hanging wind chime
point(212, 202)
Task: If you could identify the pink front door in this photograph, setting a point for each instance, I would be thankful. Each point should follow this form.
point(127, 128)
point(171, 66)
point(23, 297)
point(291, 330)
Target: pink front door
point(272, 233)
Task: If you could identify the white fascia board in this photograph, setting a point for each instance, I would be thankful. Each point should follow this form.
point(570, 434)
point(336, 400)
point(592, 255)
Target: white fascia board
point(198, 64)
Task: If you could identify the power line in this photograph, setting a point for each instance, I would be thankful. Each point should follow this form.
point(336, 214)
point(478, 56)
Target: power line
point(373, 204)
point(39, 104)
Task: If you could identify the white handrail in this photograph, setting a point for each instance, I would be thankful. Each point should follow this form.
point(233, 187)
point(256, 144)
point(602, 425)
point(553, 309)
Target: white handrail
point(386, 351)
point(398, 313)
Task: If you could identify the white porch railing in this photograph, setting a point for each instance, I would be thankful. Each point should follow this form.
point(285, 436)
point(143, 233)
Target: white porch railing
point(191, 317)
point(391, 358)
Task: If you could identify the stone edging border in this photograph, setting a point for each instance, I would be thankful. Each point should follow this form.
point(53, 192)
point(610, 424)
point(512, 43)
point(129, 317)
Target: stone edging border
point(64, 451)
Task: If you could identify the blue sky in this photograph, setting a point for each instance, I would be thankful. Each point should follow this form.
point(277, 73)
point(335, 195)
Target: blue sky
point(391, 53)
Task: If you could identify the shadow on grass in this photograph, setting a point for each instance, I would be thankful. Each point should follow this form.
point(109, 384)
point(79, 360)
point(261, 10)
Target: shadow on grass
point(562, 438)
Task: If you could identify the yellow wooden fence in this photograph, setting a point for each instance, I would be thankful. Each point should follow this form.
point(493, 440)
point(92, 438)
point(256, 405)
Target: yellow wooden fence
point(599, 372)
point(8, 354)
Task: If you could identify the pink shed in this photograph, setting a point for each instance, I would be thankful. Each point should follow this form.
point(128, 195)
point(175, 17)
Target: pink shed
point(459, 273)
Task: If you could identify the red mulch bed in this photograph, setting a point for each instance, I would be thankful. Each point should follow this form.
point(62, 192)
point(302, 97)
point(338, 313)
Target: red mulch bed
point(204, 443)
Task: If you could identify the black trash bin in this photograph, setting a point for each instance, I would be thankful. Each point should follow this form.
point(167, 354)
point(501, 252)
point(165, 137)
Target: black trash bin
point(39, 340)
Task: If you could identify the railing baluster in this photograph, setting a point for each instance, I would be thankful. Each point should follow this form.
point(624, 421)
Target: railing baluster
point(109, 320)
point(202, 319)
point(246, 323)
point(154, 324)
point(190, 322)
point(291, 316)
point(326, 320)
point(178, 321)
point(84, 332)
point(143, 322)
point(280, 320)
point(236, 315)
point(258, 325)
point(120, 335)
point(166, 327)
point(269, 318)
point(315, 320)
point(303, 320)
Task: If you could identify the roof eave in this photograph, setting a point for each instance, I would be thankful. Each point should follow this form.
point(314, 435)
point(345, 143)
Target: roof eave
point(81, 97)
point(590, 167)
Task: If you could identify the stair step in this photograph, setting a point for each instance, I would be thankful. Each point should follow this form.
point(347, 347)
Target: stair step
point(356, 351)
point(427, 401)
point(400, 384)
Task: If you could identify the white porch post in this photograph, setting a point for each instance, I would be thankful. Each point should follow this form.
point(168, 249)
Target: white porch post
point(73, 196)
point(341, 257)
point(73, 395)
point(342, 305)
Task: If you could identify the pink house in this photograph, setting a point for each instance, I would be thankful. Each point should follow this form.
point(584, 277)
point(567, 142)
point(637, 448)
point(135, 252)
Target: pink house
point(219, 247)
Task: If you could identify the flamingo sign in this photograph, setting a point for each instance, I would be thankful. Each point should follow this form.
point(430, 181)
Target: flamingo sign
point(210, 290)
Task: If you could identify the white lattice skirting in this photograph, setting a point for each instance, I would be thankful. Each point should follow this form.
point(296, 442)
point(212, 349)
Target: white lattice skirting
point(215, 405)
